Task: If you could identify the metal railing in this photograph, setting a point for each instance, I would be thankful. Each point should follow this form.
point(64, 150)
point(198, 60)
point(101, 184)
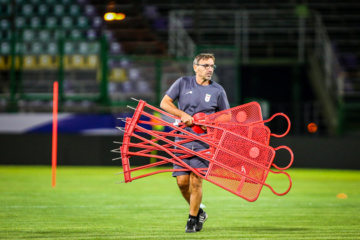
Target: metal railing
point(330, 66)
point(257, 33)
point(260, 35)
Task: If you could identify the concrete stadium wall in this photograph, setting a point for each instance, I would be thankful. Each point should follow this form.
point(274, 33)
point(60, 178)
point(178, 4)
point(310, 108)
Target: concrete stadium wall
point(35, 149)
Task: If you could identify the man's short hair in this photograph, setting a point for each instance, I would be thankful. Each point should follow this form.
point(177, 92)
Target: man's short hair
point(203, 56)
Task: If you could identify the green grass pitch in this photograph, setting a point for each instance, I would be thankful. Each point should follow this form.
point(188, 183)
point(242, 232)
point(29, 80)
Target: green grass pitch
point(87, 204)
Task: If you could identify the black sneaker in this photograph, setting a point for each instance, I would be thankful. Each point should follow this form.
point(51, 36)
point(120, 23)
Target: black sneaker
point(202, 218)
point(191, 225)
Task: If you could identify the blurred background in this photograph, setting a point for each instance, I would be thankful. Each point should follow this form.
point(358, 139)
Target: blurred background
point(296, 57)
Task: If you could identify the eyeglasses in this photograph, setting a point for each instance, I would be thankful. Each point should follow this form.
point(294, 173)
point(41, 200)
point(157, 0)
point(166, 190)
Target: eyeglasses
point(207, 66)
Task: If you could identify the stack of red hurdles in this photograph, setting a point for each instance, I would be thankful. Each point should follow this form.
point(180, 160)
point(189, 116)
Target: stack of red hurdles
point(239, 154)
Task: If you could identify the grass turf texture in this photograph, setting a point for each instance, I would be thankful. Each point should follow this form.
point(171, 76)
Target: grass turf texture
point(87, 204)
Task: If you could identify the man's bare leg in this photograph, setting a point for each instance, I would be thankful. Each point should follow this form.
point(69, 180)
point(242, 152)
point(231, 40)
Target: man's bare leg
point(191, 188)
point(183, 182)
point(195, 194)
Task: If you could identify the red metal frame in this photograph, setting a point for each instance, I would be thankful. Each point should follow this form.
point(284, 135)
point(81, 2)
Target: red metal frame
point(237, 163)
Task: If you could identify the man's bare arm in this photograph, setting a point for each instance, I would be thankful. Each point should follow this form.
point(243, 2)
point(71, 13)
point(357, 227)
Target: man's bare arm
point(168, 105)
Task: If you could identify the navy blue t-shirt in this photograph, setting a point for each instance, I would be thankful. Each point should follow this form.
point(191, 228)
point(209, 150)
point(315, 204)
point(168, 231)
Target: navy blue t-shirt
point(193, 98)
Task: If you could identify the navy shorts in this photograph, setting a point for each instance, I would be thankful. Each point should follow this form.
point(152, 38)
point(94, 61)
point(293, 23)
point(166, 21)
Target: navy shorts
point(194, 162)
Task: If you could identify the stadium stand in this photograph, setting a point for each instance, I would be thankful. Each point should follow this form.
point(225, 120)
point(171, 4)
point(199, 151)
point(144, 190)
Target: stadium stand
point(39, 25)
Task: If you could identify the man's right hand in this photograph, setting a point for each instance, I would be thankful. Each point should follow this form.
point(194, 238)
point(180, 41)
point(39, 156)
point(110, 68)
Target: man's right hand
point(187, 119)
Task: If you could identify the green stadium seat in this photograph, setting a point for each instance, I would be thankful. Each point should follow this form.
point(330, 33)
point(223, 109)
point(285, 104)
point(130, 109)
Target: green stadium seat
point(59, 9)
point(35, 22)
point(69, 47)
point(52, 48)
point(74, 10)
point(51, 22)
point(36, 47)
point(67, 22)
point(94, 48)
point(5, 48)
point(5, 24)
point(20, 22)
point(27, 10)
point(83, 48)
point(18, 47)
point(82, 22)
point(28, 35)
point(76, 34)
point(44, 35)
point(43, 10)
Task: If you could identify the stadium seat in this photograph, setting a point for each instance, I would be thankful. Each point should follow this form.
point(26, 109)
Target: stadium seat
point(67, 22)
point(118, 75)
point(115, 47)
point(97, 22)
point(69, 47)
point(82, 22)
point(35, 22)
point(4, 48)
point(89, 10)
point(20, 22)
point(18, 47)
point(92, 62)
point(27, 9)
point(59, 10)
point(48, 61)
point(74, 10)
point(43, 10)
point(52, 48)
point(4, 24)
point(75, 61)
point(28, 35)
point(51, 22)
point(29, 62)
point(44, 35)
point(5, 62)
point(83, 48)
point(76, 34)
point(91, 34)
point(36, 47)
point(94, 48)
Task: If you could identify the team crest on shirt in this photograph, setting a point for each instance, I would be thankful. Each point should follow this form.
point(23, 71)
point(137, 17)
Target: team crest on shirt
point(207, 97)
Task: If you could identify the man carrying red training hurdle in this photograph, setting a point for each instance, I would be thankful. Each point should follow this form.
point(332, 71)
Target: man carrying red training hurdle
point(194, 94)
